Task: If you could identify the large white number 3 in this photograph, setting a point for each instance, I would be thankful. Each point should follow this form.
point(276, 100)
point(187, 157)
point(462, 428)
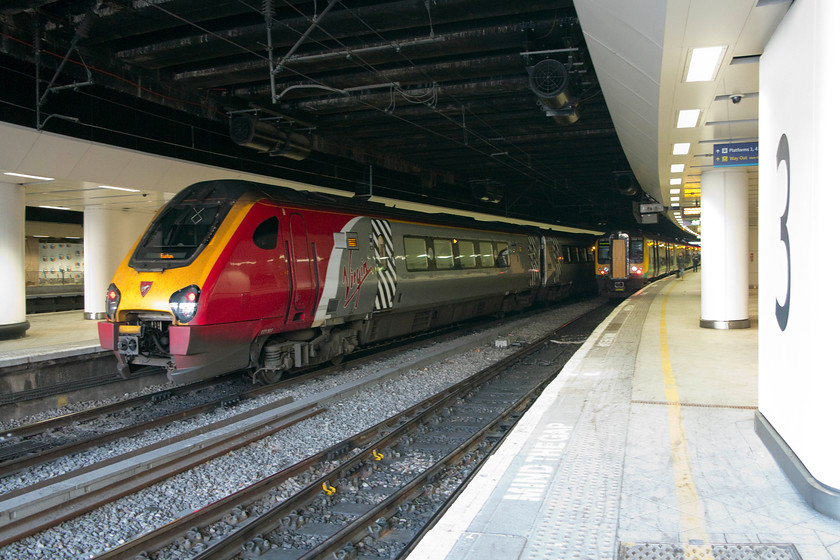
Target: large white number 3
point(783, 155)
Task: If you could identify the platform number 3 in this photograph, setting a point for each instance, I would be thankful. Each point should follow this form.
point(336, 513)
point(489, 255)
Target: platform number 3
point(783, 155)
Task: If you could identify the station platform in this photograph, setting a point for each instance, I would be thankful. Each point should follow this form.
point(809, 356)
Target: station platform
point(50, 336)
point(59, 362)
point(643, 447)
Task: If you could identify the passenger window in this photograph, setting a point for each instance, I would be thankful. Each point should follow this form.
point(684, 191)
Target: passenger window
point(381, 250)
point(416, 255)
point(485, 250)
point(466, 254)
point(265, 235)
point(444, 258)
point(503, 258)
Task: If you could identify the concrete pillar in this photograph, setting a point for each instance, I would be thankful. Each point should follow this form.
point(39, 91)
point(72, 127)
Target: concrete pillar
point(13, 323)
point(109, 235)
point(724, 297)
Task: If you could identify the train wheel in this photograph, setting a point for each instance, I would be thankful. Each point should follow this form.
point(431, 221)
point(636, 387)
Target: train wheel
point(270, 376)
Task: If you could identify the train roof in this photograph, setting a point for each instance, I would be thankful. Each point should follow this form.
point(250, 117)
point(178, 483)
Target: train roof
point(233, 189)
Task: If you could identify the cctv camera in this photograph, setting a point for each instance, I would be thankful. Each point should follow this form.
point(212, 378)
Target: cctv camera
point(736, 98)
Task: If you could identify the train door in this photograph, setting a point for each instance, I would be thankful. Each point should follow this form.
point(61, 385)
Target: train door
point(303, 278)
point(386, 271)
point(619, 257)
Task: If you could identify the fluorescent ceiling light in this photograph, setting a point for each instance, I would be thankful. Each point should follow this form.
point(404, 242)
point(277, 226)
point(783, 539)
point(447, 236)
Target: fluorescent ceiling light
point(675, 199)
point(676, 181)
point(688, 118)
point(681, 148)
point(675, 191)
point(118, 188)
point(54, 207)
point(704, 64)
point(675, 204)
point(29, 176)
point(677, 167)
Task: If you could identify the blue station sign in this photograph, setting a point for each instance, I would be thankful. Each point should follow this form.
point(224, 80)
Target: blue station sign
point(735, 154)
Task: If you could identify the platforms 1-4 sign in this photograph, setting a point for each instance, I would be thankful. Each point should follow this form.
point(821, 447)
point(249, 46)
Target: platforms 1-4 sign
point(736, 154)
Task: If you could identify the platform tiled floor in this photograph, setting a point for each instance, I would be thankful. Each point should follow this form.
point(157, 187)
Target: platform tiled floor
point(643, 447)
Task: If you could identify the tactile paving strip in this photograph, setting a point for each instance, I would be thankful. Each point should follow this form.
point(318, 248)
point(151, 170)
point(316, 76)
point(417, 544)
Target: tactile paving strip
point(670, 551)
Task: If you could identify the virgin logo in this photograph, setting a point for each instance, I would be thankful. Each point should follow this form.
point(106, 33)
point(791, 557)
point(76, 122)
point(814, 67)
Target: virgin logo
point(144, 288)
point(353, 279)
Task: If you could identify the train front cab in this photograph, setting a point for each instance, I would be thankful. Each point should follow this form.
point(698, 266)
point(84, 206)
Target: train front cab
point(621, 264)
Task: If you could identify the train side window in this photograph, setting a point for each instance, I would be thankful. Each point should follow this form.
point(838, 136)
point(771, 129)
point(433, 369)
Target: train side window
point(590, 255)
point(444, 256)
point(416, 254)
point(466, 254)
point(567, 254)
point(503, 255)
point(637, 250)
point(485, 250)
point(265, 234)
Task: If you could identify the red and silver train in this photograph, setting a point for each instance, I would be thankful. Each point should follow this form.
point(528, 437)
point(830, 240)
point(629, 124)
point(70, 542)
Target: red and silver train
point(626, 261)
point(236, 275)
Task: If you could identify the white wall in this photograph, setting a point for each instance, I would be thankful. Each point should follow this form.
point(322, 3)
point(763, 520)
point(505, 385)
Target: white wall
point(799, 375)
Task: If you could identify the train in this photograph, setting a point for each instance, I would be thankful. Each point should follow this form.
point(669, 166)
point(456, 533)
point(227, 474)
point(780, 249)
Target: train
point(236, 275)
point(627, 260)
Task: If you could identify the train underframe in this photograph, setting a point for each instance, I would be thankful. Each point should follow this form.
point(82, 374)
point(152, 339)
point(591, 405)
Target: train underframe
point(191, 353)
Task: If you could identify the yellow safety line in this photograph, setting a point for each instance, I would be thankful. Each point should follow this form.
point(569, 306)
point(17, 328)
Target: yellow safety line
point(693, 532)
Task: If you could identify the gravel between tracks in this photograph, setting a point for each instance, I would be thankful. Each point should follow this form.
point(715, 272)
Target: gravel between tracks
point(116, 523)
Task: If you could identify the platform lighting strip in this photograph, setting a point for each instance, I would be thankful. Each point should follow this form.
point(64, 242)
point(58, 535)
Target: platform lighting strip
point(118, 188)
point(54, 207)
point(36, 177)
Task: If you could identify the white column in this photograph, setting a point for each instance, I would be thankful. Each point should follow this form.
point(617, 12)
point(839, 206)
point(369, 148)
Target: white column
point(725, 291)
point(13, 323)
point(109, 235)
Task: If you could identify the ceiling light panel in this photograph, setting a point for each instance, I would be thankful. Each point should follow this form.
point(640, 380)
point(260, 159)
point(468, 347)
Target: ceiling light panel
point(681, 148)
point(687, 118)
point(677, 167)
point(704, 64)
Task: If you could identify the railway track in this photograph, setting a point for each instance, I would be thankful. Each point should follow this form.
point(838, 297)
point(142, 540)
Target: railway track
point(34, 444)
point(376, 492)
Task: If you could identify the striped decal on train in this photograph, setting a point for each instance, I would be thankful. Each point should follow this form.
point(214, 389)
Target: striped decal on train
point(534, 259)
point(386, 274)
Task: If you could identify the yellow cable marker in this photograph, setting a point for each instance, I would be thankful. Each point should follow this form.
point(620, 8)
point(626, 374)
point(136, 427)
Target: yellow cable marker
point(328, 489)
point(378, 456)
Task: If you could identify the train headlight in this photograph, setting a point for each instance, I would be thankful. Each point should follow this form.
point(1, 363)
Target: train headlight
point(112, 302)
point(603, 270)
point(184, 303)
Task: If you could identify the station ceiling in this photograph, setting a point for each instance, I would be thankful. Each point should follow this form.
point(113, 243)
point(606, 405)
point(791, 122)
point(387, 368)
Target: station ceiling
point(490, 106)
point(431, 100)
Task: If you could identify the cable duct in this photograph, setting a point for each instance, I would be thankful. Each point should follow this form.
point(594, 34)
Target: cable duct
point(266, 138)
point(550, 80)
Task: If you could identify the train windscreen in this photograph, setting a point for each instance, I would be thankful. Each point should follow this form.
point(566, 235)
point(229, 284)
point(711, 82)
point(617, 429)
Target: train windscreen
point(183, 228)
point(637, 250)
